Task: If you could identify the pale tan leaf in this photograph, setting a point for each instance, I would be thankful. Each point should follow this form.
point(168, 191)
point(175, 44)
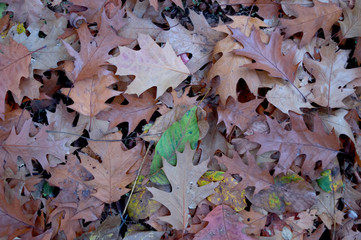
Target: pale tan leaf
point(185, 192)
point(153, 66)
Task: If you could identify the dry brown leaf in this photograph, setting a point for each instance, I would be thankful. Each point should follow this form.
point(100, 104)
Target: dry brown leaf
point(331, 77)
point(185, 192)
point(351, 24)
point(238, 114)
point(153, 66)
point(268, 57)
point(309, 19)
point(317, 145)
point(14, 64)
point(115, 172)
point(252, 175)
point(228, 67)
point(134, 112)
point(29, 148)
point(94, 51)
point(89, 95)
point(199, 42)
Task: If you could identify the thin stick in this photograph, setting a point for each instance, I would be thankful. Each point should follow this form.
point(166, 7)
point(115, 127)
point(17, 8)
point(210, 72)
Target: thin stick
point(136, 179)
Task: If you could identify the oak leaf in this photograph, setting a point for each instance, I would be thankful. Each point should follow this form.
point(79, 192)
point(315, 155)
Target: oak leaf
point(225, 194)
point(331, 77)
point(29, 148)
point(336, 120)
point(326, 210)
point(185, 192)
point(133, 25)
point(48, 51)
point(152, 65)
point(238, 114)
point(14, 220)
point(289, 193)
point(310, 19)
point(29, 11)
point(94, 51)
point(92, 10)
point(351, 24)
point(136, 110)
point(268, 57)
point(252, 175)
point(317, 145)
point(89, 95)
point(74, 202)
point(14, 64)
point(228, 66)
point(117, 170)
point(223, 223)
point(199, 42)
point(283, 97)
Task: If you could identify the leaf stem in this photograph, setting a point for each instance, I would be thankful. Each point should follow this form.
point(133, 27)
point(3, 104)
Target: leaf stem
point(136, 179)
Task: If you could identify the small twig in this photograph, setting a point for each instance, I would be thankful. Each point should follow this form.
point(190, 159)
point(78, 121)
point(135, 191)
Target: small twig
point(136, 179)
point(100, 140)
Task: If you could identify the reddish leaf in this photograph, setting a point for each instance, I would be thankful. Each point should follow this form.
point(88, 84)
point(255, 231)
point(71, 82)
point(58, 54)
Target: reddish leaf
point(28, 148)
point(252, 175)
point(238, 114)
point(14, 220)
point(223, 223)
point(268, 57)
point(14, 64)
point(317, 145)
point(117, 170)
point(134, 112)
point(94, 50)
point(310, 19)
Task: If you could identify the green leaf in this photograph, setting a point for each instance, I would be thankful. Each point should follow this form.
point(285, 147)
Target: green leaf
point(47, 189)
point(172, 140)
point(326, 182)
point(2, 9)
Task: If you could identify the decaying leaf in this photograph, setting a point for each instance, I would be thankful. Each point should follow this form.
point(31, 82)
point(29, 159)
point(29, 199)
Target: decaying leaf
point(289, 193)
point(223, 223)
point(317, 145)
point(174, 139)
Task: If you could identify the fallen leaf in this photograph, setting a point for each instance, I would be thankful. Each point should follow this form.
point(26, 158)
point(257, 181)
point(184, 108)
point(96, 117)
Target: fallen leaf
point(252, 175)
point(116, 170)
point(268, 57)
point(174, 139)
point(223, 223)
point(310, 19)
point(199, 42)
point(89, 95)
point(289, 193)
point(185, 192)
point(94, 51)
point(153, 66)
point(136, 110)
point(238, 114)
point(317, 145)
point(28, 148)
point(14, 64)
point(351, 24)
point(331, 77)
point(225, 194)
